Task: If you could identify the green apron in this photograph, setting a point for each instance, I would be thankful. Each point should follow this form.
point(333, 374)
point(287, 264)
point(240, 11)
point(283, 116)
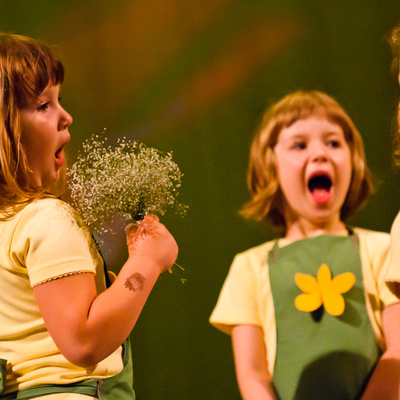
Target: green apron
point(320, 356)
point(3, 373)
point(118, 387)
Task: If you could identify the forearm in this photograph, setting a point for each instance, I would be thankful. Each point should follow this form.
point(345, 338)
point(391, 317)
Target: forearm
point(385, 381)
point(87, 327)
point(114, 313)
point(255, 389)
point(250, 363)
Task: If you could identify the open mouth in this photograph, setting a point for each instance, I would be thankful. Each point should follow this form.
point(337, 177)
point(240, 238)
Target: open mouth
point(59, 155)
point(320, 186)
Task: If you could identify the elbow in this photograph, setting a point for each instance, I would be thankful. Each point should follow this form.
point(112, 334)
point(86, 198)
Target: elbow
point(83, 360)
point(84, 356)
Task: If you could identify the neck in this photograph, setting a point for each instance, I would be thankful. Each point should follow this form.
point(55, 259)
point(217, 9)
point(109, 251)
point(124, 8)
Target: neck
point(302, 228)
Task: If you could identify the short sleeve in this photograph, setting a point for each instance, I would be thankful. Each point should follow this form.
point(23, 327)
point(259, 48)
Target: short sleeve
point(237, 302)
point(51, 241)
point(374, 252)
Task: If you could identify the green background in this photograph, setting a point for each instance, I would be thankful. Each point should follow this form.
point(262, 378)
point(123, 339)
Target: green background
point(194, 77)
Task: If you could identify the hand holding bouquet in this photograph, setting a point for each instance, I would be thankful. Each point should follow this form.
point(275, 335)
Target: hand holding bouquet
point(128, 180)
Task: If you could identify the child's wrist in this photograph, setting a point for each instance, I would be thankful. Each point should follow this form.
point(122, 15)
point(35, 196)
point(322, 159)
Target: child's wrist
point(144, 264)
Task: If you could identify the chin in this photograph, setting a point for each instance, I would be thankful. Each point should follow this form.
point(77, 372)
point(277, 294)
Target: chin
point(326, 217)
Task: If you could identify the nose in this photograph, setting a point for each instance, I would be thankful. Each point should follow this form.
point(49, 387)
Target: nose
point(318, 152)
point(65, 119)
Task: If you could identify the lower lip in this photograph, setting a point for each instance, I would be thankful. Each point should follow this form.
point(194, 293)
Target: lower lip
point(60, 160)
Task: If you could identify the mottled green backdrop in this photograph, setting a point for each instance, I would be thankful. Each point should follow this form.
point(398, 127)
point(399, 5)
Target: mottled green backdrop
point(194, 76)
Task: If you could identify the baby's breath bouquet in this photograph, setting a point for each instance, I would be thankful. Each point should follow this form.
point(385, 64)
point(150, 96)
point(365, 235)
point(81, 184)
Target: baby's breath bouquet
point(128, 180)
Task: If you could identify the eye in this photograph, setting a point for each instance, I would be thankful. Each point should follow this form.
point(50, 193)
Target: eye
point(300, 145)
point(334, 143)
point(43, 107)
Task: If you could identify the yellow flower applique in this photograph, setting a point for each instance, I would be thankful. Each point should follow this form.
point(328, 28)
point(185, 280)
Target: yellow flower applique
point(323, 291)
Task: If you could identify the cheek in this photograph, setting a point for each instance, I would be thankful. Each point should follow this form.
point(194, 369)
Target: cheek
point(342, 163)
point(347, 169)
point(292, 170)
point(289, 176)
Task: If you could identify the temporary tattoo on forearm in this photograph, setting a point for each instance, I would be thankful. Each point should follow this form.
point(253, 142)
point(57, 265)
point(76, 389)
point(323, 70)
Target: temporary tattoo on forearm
point(135, 282)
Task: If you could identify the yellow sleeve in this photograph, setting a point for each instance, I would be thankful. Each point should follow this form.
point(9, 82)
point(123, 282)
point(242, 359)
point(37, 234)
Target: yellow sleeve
point(50, 242)
point(237, 303)
point(246, 298)
point(374, 253)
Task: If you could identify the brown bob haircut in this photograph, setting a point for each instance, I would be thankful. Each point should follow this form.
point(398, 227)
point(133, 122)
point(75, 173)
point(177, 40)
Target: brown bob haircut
point(27, 66)
point(262, 178)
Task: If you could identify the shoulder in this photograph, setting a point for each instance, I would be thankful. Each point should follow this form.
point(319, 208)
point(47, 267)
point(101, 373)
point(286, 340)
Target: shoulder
point(46, 206)
point(374, 246)
point(50, 210)
point(257, 251)
point(257, 255)
point(373, 238)
point(50, 216)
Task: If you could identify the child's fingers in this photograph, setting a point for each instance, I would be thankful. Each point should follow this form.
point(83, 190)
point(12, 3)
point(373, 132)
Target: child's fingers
point(149, 219)
point(131, 228)
point(131, 231)
point(152, 239)
point(146, 222)
point(148, 226)
point(140, 229)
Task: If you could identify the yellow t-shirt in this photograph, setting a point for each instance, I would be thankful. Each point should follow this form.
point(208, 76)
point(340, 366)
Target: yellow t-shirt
point(246, 296)
point(43, 241)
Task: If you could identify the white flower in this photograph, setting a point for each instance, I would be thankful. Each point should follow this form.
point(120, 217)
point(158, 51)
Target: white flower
point(129, 180)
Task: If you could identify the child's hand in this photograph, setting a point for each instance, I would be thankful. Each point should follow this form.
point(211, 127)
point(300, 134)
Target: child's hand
point(151, 239)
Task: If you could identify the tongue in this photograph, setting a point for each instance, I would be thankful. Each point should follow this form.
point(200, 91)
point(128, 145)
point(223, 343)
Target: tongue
point(321, 195)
